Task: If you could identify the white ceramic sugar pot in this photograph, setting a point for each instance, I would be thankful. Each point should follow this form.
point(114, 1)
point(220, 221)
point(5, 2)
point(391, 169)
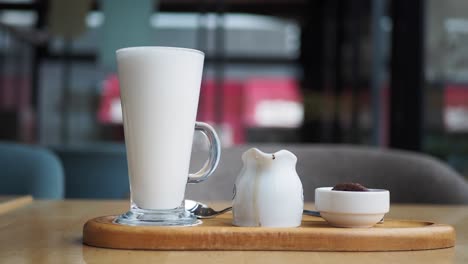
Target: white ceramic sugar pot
point(268, 192)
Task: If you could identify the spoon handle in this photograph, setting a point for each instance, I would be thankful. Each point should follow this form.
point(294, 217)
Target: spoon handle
point(317, 213)
point(312, 213)
point(225, 210)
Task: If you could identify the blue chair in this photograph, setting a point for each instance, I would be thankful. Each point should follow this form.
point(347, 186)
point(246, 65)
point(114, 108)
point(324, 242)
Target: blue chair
point(95, 171)
point(30, 170)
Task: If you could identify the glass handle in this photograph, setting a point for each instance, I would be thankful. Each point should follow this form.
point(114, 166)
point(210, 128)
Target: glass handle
point(213, 156)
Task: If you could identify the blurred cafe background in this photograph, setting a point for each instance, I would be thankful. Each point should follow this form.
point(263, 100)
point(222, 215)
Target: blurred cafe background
point(380, 73)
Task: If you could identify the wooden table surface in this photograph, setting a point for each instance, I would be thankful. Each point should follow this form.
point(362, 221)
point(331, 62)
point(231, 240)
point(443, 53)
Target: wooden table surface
point(50, 232)
point(9, 203)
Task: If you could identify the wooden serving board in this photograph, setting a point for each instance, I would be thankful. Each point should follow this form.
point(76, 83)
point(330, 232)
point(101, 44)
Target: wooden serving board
point(314, 235)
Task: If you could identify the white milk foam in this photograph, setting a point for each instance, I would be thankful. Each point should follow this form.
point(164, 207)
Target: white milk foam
point(159, 89)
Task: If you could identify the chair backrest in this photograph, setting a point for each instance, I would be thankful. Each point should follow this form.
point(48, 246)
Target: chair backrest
point(30, 170)
point(97, 171)
point(410, 177)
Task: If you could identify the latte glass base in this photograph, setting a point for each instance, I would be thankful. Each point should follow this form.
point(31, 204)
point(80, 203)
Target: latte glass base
point(143, 217)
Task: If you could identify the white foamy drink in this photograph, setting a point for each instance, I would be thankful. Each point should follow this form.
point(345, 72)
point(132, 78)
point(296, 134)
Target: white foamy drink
point(159, 87)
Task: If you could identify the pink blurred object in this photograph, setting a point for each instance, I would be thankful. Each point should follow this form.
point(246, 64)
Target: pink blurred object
point(110, 95)
point(256, 102)
point(232, 111)
point(455, 109)
point(456, 95)
point(272, 102)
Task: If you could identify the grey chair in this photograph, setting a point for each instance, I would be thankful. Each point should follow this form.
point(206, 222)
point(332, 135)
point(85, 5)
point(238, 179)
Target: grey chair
point(410, 177)
point(30, 170)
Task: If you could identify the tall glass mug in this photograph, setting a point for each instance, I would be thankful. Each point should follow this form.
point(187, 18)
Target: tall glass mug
point(159, 89)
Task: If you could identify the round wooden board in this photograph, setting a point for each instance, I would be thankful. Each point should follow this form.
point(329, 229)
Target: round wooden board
point(314, 235)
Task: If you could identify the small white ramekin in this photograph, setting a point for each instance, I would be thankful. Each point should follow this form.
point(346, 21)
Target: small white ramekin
point(351, 208)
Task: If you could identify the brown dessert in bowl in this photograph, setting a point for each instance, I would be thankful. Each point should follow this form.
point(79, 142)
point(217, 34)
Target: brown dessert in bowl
point(350, 187)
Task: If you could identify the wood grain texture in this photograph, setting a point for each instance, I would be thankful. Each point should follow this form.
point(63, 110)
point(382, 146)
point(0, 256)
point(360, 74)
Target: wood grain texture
point(52, 231)
point(9, 203)
point(314, 235)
